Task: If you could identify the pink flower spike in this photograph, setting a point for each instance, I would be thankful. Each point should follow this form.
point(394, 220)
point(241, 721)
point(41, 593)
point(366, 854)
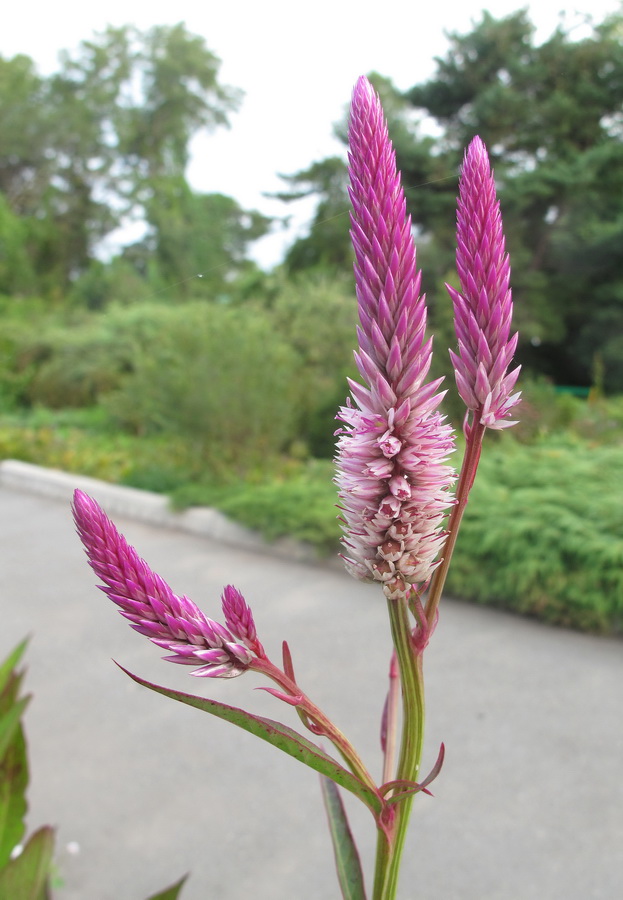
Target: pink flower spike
point(483, 307)
point(144, 598)
point(391, 474)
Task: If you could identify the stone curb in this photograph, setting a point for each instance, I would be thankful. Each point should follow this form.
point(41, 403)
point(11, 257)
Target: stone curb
point(148, 507)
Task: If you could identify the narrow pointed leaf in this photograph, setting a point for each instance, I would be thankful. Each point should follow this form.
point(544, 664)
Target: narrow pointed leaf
point(288, 667)
point(13, 784)
point(10, 691)
point(13, 761)
point(347, 860)
point(9, 723)
point(279, 735)
point(170, 893)
point(27, 876)
point(434, 772)
point(406, 788)
point(6, 667)
point(410, 788)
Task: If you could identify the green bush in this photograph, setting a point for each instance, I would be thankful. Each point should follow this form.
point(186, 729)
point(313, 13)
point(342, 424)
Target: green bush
point(82, 441)
point(115, 282)
point(219, 377)
point(543, 411)
point(77, 358)
point(73, 359)
point(301, 506)
point(543, 534)
point(79, 369)
point(17, 367)
point(317, 317)
point(547, 410)
point(80, 358)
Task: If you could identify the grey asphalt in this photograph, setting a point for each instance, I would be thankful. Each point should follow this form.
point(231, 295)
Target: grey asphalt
point(529, 803)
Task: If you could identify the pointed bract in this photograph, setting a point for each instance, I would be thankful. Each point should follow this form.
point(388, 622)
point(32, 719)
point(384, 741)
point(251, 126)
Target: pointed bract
point(144, 598)
point(391, 473)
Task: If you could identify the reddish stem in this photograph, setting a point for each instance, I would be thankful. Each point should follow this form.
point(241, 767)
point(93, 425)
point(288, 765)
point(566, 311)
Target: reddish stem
point(390, 720)
point(321, 724)
point(466, 481)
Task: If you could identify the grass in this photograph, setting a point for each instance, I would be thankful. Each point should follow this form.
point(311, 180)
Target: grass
point(83, 441)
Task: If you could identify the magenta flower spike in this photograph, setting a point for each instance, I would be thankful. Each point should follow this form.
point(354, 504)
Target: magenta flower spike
point(144, 598)
point(483, 307)
point(391, 473)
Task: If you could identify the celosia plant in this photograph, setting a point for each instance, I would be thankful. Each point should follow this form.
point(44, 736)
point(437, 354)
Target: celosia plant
point(399, 515)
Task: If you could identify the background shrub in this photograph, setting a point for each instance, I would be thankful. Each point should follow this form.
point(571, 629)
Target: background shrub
point(301, 506)
point(219, 376)
point(543, 533)
point(317, 316)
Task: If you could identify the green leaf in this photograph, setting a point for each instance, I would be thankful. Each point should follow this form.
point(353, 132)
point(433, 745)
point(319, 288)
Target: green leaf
point(347, 860)
point(26, 877)
point(6, 668)
point(277, 734)
point(9, 723)
point(13, 784)
point(170, 893)
point(13, 761)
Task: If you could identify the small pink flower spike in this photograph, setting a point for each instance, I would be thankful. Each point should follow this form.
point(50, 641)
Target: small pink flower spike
point(483, 307)
point(239, 619)
point(174, 623)
point(393, 483)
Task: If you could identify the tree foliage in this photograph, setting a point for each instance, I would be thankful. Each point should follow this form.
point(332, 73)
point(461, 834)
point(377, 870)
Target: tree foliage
point(105, 140)
point(326, 246)
point(551, 115)
point(198, 242)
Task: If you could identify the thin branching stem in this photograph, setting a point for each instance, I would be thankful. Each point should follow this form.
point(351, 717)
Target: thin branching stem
point(321, 722)
point(466, 480)
point(391, 720)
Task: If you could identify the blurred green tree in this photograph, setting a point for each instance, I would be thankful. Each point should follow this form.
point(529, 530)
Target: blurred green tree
point(198, 242)
point(551, 115)
point(326, 246)
point(106, 140)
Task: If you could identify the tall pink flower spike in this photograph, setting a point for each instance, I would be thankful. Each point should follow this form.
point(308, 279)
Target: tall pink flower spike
point(174, 623)
point(483, 307)
point(391, 473)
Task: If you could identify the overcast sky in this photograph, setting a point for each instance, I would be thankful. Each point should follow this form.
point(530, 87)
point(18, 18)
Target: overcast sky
point(296, 63)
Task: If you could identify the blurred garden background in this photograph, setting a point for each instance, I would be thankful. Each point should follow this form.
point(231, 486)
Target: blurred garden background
point(177, 364)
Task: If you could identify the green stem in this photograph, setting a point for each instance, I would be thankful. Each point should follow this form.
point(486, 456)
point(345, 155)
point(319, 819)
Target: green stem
point(391, 840)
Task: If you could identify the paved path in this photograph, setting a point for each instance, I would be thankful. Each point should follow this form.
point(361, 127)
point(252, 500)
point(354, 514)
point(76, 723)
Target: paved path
point(529, 803)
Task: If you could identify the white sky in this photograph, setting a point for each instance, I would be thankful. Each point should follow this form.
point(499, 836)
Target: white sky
point(296, 63)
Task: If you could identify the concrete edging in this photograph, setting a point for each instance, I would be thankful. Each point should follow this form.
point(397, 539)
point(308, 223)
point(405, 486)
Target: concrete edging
point(145, 506)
